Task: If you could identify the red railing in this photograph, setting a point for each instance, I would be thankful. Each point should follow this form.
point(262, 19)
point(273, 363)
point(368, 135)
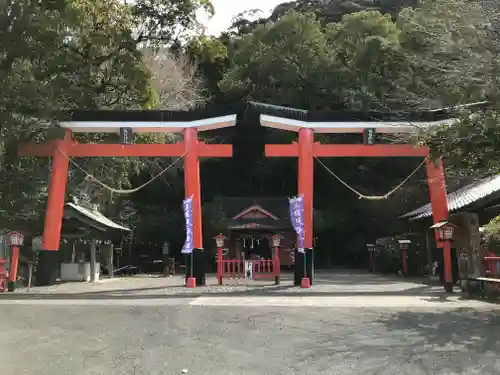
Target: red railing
point(232, 269)
point(491, 266)
point(4, 275)
point(263, 269)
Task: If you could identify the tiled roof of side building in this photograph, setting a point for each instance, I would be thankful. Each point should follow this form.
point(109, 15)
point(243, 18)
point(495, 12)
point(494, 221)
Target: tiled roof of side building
point(485, 190)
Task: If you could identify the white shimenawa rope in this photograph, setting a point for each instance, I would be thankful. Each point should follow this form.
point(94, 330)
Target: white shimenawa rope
point(370, 197)
point(123, 191)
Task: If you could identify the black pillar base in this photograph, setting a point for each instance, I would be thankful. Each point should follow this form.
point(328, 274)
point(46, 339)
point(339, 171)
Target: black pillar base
point(448, 287)
point(299, 266)
point(47, 267)
point(11, 286)
point(199, 266)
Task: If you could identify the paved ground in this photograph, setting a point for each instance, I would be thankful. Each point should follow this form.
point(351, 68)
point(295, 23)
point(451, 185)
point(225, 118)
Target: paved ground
point(349, 323)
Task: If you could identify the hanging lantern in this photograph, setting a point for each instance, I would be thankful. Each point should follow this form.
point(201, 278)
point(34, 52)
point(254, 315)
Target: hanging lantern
point(220, 240)
point(371, 247)
point(276, 240)
point(15, 239)
point(404, 244)
point(445, 230)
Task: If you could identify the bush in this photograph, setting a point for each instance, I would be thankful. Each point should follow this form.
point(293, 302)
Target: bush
point(492, 235)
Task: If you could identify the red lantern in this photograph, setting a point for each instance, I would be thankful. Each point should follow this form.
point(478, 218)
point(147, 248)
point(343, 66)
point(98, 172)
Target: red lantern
point(220, 240)
point(445, 230)
point(370, 247)
point(446, 233)
point(404, 244)
point(276, 240)
point(15, 239)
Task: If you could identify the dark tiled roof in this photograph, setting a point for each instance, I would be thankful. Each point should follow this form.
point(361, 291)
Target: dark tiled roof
point(483, 191)
point(244, 109)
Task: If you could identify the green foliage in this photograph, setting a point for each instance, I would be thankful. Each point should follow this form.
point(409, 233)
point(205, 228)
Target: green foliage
point(210, 56)
point(283, 62)
point(161, 22)
point(331, 11)
point(492, 235)
point(214, 221)
point(81, 54)
point(470, 146)
point(368, 59)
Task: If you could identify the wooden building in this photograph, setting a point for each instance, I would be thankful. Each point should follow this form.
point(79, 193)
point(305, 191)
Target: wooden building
point(470, 207)
point(251, 221)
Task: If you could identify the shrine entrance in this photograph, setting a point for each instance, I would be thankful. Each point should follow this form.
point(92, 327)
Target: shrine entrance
point(260, 240)
point(126, 123)
point(307, 123)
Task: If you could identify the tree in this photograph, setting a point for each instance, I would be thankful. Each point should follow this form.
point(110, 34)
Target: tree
point(471, 145)
point(81, 54)
point(210, 56)
point(173, 79)
point(331, 11)
point(283, 62)
point(368, 60)
point(165, 23)
point(492, 235)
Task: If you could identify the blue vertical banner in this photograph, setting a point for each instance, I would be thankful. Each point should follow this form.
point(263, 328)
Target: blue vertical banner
point(187, 206)
point(297, 218)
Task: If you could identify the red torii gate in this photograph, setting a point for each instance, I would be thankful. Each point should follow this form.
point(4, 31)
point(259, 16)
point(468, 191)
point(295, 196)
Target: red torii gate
point(132, 122)
point(306, 150)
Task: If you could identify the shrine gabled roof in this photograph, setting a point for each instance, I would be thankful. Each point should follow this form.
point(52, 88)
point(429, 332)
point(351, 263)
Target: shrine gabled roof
point(255, 207)
point(475, 195)
point(277, 206)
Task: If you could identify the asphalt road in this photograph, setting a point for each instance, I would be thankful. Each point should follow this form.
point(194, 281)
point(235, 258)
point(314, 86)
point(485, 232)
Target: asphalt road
point(317, 334)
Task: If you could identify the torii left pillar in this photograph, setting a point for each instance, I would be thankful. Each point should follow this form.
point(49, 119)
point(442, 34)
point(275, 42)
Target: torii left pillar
point(60, 150)
point(48, 258)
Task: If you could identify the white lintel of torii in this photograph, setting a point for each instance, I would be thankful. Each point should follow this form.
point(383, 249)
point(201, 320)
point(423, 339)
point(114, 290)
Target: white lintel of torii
point(351, 126)
point(149, 126)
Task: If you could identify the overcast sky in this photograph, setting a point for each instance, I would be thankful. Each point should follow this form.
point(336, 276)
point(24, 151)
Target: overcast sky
point(225, 10)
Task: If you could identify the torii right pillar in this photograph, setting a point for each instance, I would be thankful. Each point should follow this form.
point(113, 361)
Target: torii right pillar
point(439, 204)
point(304, 262)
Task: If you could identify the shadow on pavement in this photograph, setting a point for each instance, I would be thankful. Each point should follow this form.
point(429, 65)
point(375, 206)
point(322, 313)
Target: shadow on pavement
point(460, 341)
point(278, 291)
point(459, 334)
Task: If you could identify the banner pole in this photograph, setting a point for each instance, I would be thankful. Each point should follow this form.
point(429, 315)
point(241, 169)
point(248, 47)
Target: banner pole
point(305, 264)
point(192, 263)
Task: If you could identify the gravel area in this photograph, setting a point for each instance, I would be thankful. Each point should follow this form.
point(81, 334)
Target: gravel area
point(332, 283)
point(349, 323)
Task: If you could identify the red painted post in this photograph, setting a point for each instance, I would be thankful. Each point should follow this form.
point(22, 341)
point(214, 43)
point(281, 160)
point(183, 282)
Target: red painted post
point(306, 181)
point(15, 240)
point(277, 265)
point(219, 265)
point(192, 189)
point(48, 261)
point(56, 195)
point(372, 264)
point(3, 275)
point(306, 189)
point(192, 182)
point(405, 263)
point(14, 263)
point(439, 204)
point(448, 276)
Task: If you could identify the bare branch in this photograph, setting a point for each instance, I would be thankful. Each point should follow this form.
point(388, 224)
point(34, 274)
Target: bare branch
point(174, 79)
